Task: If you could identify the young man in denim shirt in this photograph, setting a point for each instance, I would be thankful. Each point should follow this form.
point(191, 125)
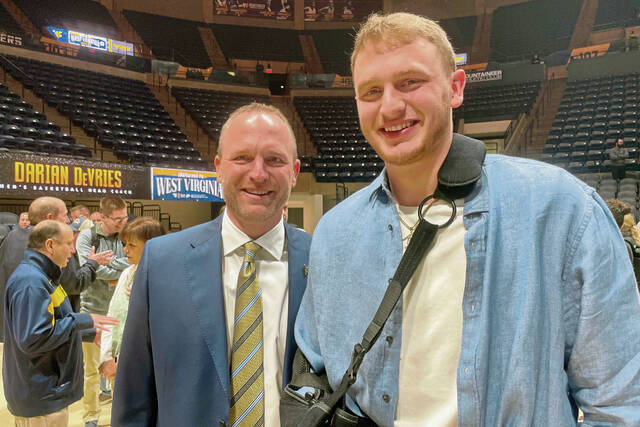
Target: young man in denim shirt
point(525, 307)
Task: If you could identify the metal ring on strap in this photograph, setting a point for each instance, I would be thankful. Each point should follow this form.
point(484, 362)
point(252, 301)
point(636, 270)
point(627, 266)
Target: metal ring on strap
point(443, 198)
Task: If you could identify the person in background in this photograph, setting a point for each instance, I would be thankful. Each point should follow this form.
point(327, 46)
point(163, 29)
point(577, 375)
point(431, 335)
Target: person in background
point(95, 299)
point(79, 211)
point(75, 278)
point(13, 246)
point(618, 154)
point(42, 355)
point(134, 236)
point(620, 210)
point(96, 217)
point(24, 222)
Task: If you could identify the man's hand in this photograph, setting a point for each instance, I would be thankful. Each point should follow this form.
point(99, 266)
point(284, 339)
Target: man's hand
point(103, 323)
point(108, 369)
point(102, 258)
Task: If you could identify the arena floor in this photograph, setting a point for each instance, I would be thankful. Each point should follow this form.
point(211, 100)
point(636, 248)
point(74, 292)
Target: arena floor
point(75, 411)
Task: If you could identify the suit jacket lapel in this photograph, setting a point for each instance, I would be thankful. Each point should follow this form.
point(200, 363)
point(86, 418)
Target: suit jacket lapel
point(203, 270)
point(298, 255)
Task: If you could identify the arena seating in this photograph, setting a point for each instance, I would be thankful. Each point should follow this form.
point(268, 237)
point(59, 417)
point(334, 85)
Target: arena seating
point(171, 39)
point(617, 13)
point(70, 14)
point(513, 36)
point(23, 128)
point(263, 44)
point(344, 154)
point(121, 113)
point(209, 108)
point(488, 103)
point(593, 114)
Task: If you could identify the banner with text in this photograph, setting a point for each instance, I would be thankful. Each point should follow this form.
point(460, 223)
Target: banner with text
point(484, 76)
point(93, 42)
point(33, 175)
point(274, 9)
point(185, 185)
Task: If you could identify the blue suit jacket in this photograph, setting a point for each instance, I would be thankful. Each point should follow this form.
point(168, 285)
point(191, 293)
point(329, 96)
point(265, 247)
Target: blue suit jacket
point(173, 369)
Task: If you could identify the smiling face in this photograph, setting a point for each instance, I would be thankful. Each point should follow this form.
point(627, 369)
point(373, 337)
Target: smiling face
point(405, 95)
point(257, 168)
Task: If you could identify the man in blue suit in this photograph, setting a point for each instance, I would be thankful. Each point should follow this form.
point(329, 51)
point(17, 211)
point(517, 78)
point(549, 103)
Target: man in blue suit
point(179, 344)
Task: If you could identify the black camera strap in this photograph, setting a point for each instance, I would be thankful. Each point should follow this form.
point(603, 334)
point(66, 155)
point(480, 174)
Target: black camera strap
point(420, 241)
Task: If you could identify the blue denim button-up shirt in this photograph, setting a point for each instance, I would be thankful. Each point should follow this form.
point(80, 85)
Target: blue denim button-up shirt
point(551, 312)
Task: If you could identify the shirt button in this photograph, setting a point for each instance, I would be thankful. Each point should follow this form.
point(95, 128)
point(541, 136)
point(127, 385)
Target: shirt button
point(389, 339)
point(473, 307)
point(386, 398)
point(466, 370)
point(473, 245)
point(390, 227)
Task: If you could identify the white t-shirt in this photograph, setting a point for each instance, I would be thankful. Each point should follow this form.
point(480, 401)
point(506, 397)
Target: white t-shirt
point(432, 324)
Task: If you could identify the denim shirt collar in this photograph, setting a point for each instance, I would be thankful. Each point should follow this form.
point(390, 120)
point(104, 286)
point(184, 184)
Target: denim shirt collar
point(458, 175)
point(43, 262)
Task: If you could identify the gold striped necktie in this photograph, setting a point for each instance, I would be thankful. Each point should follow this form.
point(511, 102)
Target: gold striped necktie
point(247, 378)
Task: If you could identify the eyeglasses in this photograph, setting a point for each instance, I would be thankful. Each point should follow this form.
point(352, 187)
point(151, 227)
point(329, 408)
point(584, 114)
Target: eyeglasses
point(117, 220)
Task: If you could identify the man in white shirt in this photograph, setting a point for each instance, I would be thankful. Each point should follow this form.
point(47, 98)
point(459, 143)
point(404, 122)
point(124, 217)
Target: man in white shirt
point(183, 358)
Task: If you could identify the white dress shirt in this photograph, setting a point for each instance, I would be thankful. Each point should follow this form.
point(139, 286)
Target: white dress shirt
point(273, 274)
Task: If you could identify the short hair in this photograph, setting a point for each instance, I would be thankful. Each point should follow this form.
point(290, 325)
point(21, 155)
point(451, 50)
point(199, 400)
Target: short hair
point(619, 209)
point(401, 28)
point(109, 204)
point(23, 213)
point(43, 206)
point(78, 208)
point(43, 231)
point(258, 107)
point(143, 228)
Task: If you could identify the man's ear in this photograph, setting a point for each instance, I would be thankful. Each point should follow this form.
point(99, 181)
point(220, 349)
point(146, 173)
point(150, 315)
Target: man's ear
point(458, 81)
point(48, 245)
point(216, 163)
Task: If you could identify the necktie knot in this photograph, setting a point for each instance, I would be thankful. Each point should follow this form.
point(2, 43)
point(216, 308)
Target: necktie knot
point(250, 250)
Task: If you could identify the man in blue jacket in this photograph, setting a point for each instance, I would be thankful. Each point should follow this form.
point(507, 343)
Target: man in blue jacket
point(188, 330)
point(42, 364)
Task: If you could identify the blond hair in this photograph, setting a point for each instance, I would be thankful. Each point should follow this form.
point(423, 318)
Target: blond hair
point(258, 107)
point(629, 229)
point(401, 28)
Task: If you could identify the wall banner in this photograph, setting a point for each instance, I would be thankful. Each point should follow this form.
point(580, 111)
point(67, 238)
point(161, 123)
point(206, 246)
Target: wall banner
point(484, 76)
point(93, 42)
point(34, 175)
point(185, 185)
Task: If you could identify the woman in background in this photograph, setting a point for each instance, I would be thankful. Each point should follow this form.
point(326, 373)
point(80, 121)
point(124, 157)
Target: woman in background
point(134, 236)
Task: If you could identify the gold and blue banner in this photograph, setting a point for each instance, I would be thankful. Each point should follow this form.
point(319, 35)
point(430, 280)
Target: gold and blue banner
point(33, 175)
point(185, 185)
point(93, 42)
